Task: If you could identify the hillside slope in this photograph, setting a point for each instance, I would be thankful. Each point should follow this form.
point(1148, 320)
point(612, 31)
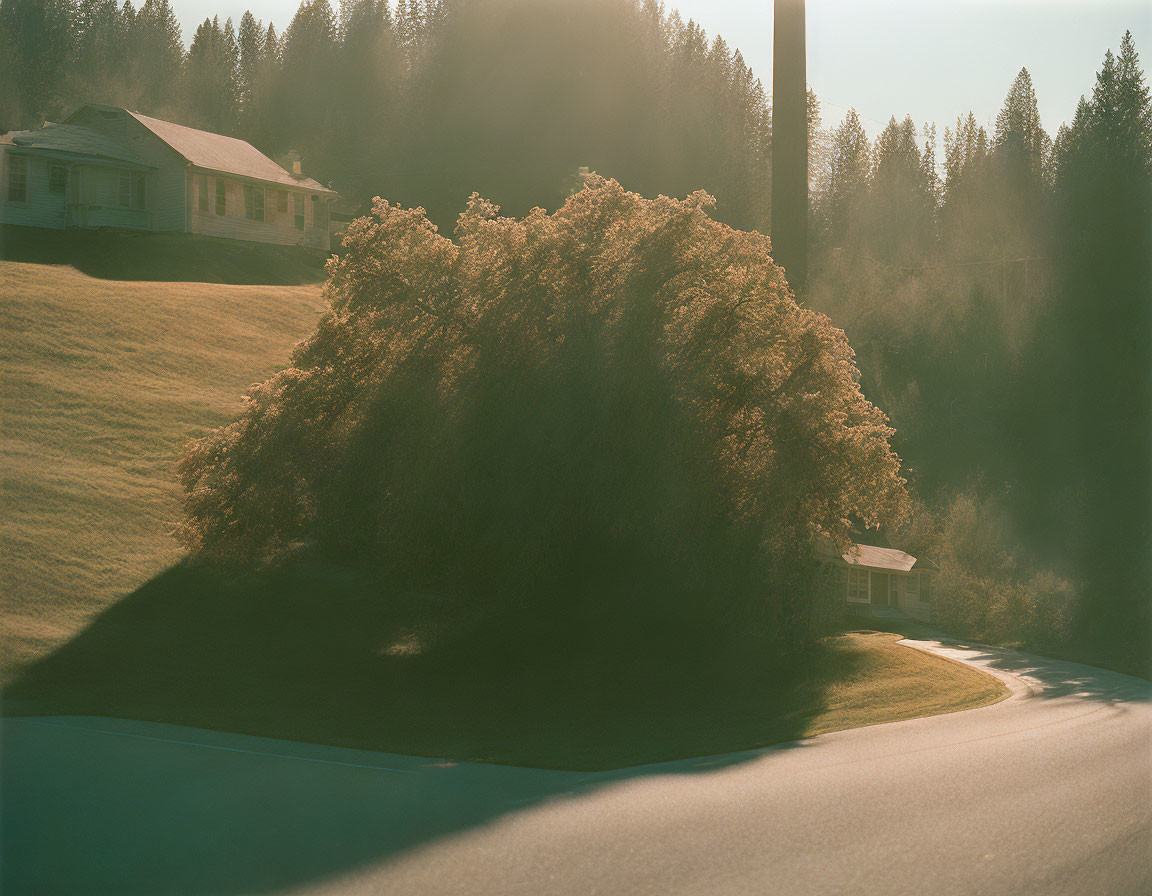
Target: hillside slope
point(102, 384)
point(104, 381)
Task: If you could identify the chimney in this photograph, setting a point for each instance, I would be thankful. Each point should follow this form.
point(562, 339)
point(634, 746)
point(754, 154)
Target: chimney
point(291, 163)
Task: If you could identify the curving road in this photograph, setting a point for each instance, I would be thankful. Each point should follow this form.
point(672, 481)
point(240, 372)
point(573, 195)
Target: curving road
point(1046, 792)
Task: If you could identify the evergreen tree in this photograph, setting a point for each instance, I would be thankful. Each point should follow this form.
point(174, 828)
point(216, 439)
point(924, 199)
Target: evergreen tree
point(157, 56)
point(40, 36)
point(250, 41)
point(901, 204)
point(969, 195)
point(105, 40)
point(212, 82)
point(841, 196)
point(370, 94)
point(1104, 185)
point(306, 94)
point(1020, 139)
point(259, 78)
point(1020, 149)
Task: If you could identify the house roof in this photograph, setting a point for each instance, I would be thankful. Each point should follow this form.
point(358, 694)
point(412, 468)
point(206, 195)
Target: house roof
point(228, 155)
point(879, 558)
point(871, 556)
point(70, 139)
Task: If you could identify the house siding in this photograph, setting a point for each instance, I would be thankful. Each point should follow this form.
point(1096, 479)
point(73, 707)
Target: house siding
point(916, 608)
point(43, 208)
point(911, 607)
point(96, 194)
point(276, 227)
point(166, 199)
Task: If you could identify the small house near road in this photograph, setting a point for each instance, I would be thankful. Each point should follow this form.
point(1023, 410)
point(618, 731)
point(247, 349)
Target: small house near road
point(875, 580)
point(105, 166)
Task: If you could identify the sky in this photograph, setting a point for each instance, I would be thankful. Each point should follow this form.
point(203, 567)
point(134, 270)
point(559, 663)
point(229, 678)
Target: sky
point(931, 59)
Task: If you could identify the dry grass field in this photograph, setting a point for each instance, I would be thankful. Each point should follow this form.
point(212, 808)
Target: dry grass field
point(102, 384)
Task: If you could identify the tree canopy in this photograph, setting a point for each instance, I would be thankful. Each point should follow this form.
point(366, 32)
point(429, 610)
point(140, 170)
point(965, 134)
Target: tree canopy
point(620, 395)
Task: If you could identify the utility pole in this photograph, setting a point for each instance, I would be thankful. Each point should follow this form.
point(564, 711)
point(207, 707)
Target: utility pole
point(790, 141)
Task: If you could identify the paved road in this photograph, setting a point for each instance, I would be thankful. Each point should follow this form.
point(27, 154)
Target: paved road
point(1047, 792)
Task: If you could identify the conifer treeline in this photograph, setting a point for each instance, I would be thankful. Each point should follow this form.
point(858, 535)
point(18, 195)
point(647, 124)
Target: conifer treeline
point(1001, 309)
point(422, 101)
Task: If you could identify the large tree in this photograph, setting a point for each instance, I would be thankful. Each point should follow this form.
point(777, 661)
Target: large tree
point(620, 402)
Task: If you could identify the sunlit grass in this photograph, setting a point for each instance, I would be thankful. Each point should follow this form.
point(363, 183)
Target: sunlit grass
point(103, 382)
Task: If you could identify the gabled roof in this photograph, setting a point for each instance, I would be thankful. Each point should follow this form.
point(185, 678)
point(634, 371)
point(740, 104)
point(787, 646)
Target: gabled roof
point(228, 155)
point(73, 140)
point(871, 556)
point(879, 558)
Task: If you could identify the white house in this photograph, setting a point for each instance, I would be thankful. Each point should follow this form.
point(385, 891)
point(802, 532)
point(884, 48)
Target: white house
point(105, 166)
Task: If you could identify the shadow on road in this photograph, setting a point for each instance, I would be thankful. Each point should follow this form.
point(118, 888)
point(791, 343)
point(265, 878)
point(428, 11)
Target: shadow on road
point(101, 813)
point(325, 656)
point(1051, 679)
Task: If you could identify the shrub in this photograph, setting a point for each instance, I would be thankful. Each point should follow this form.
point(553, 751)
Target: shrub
point(616, 409)
point(985, 590)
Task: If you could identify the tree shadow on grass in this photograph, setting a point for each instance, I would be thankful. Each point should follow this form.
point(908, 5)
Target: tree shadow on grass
point(166, 257)
point(1048, 677)
point(1051, 679)
point(322, 655)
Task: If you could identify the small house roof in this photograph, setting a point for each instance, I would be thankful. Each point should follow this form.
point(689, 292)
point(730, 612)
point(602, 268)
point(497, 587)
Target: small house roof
point(73, 140)
point(228, 155)
point(871, 556)
point(879, 558)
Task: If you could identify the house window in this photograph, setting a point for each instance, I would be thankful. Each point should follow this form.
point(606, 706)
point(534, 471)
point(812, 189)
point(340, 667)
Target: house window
point(858, 586)
point(925, 588)
point(202, 198)
point(298, 210)
point(17, 179)
point(912, 588)
point(281, 202)
point(57, 177)
point(319, 213)
point(131, 192)
point(221, 196)
point(254, 203)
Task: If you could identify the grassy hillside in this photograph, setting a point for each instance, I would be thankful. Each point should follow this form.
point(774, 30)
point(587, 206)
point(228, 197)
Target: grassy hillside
point(103, 382)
